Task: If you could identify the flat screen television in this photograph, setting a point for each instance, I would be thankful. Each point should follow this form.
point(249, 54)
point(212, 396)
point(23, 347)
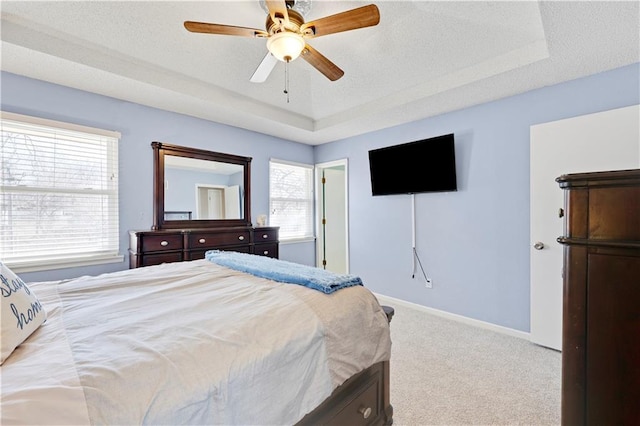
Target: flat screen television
point(427, 165)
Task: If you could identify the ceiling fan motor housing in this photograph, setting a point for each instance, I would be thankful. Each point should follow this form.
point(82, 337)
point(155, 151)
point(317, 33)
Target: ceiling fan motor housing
point(301, 6)
point(295, 21)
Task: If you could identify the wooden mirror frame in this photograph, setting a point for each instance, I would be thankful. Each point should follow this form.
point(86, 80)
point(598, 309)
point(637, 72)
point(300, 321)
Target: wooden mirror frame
point(160, 150)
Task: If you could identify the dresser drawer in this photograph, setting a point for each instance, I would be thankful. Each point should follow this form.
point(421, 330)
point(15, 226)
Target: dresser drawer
point(211, 240)
point(607, 217)
point(157, 259)
point(363, 409)
point(154, 243)
point(269, 250)
point(265, 235)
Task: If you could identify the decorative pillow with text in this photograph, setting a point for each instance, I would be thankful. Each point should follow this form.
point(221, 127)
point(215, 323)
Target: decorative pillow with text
point(20, 312)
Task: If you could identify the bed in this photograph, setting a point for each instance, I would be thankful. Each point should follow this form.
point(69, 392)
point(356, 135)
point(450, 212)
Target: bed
point(199, 343)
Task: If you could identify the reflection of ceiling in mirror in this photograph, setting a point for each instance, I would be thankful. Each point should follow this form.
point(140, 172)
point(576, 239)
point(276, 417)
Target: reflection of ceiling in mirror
point(202, 165)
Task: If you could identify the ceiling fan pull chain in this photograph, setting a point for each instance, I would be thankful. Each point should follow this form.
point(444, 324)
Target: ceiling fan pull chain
point(286, 79)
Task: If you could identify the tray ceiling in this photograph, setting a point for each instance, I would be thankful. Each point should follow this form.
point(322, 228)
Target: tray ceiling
point(424, 58)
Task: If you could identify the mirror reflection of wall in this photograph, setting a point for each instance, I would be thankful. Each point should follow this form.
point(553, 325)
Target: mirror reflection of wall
point(202, 189)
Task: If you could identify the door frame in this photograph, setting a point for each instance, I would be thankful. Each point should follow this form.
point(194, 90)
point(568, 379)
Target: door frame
point(207, 186)
point(319, 168)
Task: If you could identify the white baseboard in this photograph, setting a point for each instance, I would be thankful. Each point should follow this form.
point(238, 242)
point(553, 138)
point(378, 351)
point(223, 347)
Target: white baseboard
point(455, 317)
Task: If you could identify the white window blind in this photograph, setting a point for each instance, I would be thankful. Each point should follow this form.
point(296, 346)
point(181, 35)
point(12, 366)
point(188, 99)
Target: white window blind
point(291, 199)
point(58, 194)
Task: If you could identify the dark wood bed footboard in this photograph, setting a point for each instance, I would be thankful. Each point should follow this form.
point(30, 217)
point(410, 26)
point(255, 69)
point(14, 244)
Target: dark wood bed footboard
point(362, 400)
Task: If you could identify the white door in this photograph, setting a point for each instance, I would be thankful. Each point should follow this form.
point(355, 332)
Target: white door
point(209, 202)
point(215, 203)
point(608, 140)
point(332, 217)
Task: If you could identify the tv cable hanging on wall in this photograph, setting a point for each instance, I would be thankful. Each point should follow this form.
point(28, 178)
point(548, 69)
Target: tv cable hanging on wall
point(413, 243)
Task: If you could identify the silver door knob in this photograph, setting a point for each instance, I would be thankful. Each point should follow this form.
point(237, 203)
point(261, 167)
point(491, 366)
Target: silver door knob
point(538, 246)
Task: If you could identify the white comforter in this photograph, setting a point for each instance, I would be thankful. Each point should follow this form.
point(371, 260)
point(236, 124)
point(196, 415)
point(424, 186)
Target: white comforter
point(188, 343)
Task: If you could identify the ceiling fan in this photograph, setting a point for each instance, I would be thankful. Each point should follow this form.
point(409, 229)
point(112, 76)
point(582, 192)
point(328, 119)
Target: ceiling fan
point(286, 34)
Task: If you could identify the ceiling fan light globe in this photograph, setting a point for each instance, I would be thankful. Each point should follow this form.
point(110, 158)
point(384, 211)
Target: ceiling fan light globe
point(285, 46)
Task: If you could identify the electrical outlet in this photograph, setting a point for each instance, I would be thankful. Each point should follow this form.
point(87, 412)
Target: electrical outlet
point(428, 283)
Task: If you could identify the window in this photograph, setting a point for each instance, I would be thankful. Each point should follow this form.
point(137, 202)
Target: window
point(58, 194)
point(291, 199)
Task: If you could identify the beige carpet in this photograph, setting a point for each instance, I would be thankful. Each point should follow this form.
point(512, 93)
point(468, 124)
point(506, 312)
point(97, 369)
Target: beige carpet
point(444, 372)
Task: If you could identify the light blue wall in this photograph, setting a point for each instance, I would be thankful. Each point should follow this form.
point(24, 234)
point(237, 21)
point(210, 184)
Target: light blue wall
point(139, 126)
point(473, 243)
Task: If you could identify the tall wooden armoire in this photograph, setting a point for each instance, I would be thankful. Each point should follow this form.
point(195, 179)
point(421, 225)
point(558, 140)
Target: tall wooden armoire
point(601, 305)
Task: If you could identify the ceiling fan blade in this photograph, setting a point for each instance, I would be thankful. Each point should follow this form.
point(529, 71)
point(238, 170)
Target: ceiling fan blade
point(264, 69)
point(361, 17)
point(278, 10)
point(203, 27)
point(322, 64)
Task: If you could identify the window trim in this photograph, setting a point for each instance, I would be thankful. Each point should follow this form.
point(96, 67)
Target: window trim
point(4, 115)
point(51, 264)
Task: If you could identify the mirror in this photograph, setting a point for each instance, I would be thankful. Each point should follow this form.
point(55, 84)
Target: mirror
point(218, 189)
point(195, 188)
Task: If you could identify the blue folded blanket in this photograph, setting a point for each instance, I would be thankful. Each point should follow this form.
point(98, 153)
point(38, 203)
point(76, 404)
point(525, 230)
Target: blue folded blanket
point(283, 271)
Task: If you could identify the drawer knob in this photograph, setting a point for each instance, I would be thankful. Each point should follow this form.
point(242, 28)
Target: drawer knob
point(241, 237)
point(265, 236)
point(202, 241)
point(365, 411)
point(266, 252)
point(164, 243)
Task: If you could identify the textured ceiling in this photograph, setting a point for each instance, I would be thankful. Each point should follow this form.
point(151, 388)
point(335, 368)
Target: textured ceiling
point(423, 59)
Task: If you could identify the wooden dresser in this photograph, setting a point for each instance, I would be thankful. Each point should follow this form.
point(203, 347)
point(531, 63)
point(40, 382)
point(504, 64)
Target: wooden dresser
point(154, 247)
point(601, 304)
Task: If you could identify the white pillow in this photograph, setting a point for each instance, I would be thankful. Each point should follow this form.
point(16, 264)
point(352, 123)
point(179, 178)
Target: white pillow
point(20, 311)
